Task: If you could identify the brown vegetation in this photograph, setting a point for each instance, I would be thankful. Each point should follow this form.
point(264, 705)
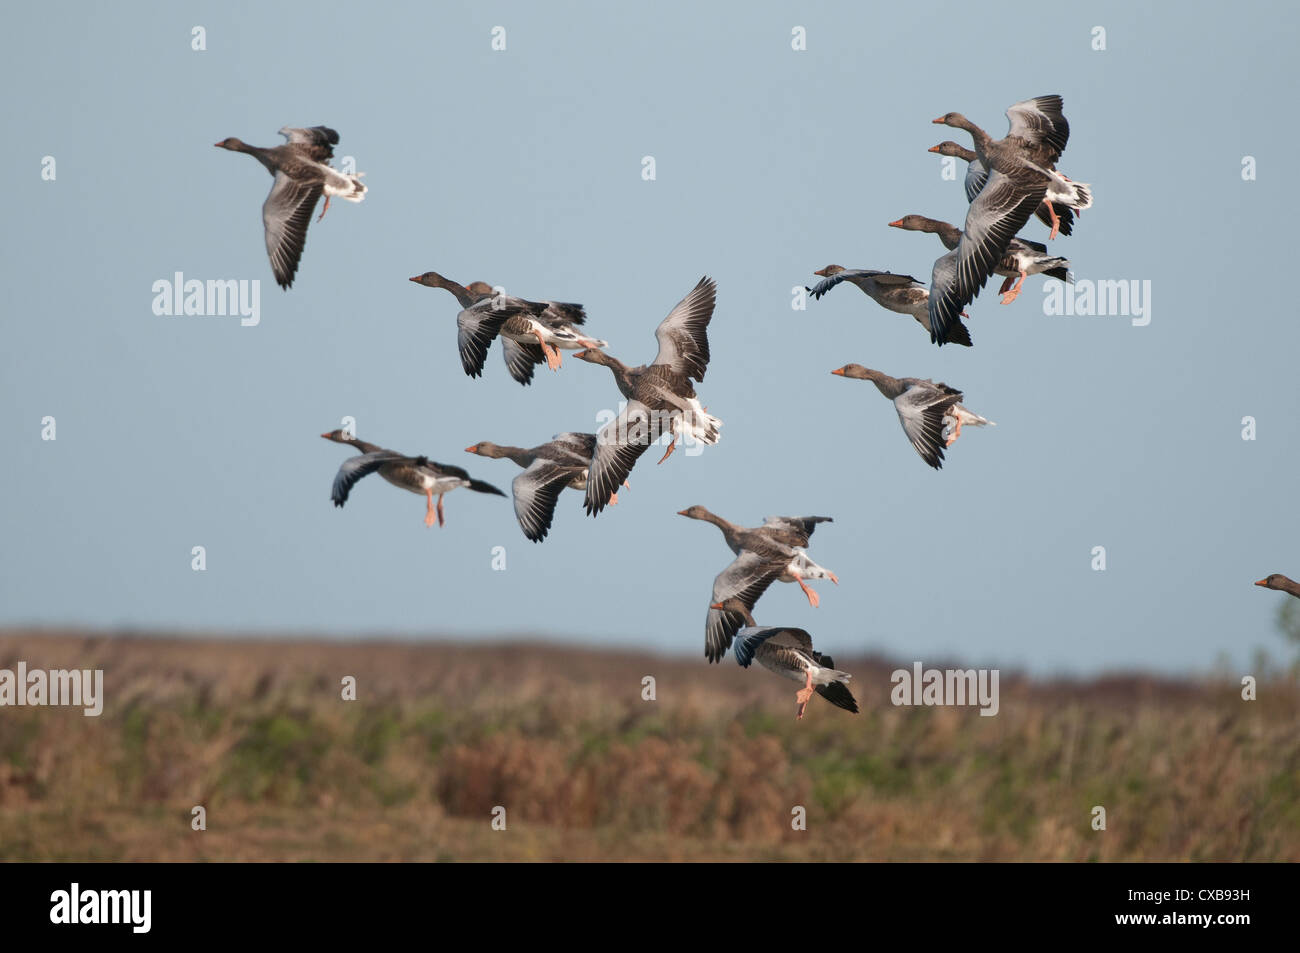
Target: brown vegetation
point(256, 731)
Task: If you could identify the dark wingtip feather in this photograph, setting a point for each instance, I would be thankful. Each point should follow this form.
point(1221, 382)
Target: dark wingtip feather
point(958, 333)
point(482, 487)
point(838, 694)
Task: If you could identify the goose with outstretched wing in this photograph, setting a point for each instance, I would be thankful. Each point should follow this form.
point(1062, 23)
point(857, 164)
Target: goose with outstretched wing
point(660, 397)
point(302, 175)
point(789, 653)
point(931, 414)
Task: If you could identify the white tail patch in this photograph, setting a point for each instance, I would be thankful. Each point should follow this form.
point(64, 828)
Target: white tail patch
point(698, 424)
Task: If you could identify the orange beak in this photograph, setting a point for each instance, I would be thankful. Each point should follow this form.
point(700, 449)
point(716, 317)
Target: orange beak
point(473, 449)
point(415, 279)
point(821, 272)
point(681, 512)
point(838, 372)
point(898, 224)
point(932, 149)
point(937, 122)
point(325, 435)
point(716, 605)
point(1262, 582)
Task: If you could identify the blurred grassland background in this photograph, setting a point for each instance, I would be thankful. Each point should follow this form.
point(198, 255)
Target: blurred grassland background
point(256, 731)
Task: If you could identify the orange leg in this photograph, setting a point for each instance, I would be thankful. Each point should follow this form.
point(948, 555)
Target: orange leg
point(803, 695)
point(1056, 220)
point(613, 497)
point(430, 514)
point(1006, 284)
point(552, 354)
point(813, 599)
point(1014, 293)
point(672, 445)
point(956, 432)
point(325, 209)
point(442, 521)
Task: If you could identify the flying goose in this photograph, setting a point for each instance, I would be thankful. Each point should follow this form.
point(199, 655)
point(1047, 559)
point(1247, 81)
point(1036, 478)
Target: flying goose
point(1023, 257)
point(1281, 583)
point(417, 474)
point(789, 653)
point(930, 413)
point(1063, 196)
point(901, 294)
point(548, 469)
point(660, 396)
point(531, 332)
point(302, 174)
point(1021, 171)
point(774, 552)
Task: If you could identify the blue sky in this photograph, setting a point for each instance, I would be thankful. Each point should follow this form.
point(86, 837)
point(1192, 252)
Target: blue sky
point(523, 168)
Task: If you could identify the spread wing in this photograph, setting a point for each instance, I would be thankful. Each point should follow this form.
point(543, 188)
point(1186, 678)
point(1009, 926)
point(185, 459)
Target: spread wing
point(920, 410)
point(750, 638)
point(286, 213)
point(1001, 209)
point(826, 284)
point(618, 447)
point(1041, 122)
point(683, 335)
point(476, 327)
point(801, 526)
point(746, 579)
point(560, 314)
point(521, 359)
point(536, 491)
point(354, 468)
point(579, 447)
point(976, 176)
point(317, 141)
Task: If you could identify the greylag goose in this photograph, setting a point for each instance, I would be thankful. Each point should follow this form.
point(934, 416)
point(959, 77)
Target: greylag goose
point(1281, 583)
point(302, 175)
point(417, 474)
point(789, 653)
point(654, 392)
point(1021, 170)
point(1023, 257)
point(531, 332)
point(548, 469)
point(777, 551)
point(930, 413)
point(901, 294)
point(1063, 196)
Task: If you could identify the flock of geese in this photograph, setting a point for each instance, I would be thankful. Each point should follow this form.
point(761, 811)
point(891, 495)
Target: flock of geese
point(1008, 182)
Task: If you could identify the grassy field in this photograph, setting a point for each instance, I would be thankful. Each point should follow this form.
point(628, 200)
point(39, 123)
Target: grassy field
point(257, 733)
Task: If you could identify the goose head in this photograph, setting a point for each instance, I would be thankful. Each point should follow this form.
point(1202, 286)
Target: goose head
point(914, 223)
point(829, 270)
point(856, 371)
point(949, 148)
point(695, 513)
point(430, 279)
point(486, 448)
